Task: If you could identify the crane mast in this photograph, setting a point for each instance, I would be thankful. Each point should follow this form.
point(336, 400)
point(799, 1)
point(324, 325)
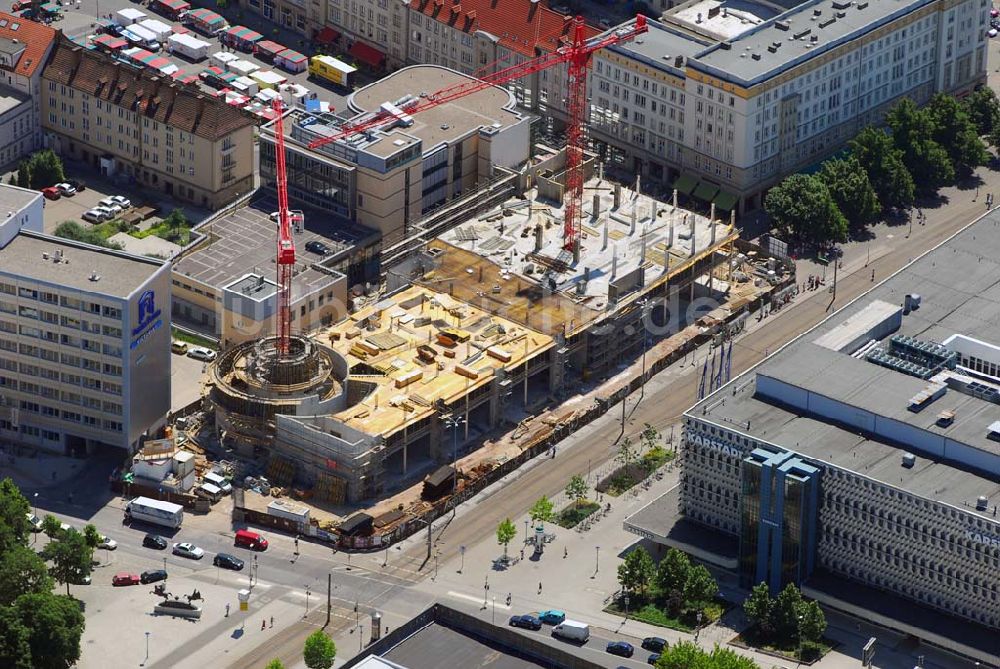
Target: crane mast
point(576, 55)
point(286, 245)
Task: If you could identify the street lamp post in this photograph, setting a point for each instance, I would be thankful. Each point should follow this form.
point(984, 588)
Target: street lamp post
point(34, 535)
point(597, 560)
point(486, 591)
point(526, 521)
point(307, 603)
point(643, 305)
point(461, 550)
point(147, 650)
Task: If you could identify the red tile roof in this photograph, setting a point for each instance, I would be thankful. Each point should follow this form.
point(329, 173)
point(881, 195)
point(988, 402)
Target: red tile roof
point(36, 37)
point(520, 25)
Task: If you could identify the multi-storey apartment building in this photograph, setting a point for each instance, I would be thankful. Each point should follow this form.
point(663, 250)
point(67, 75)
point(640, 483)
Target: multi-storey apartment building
point(861, 460)
point(166, 136)
point(724, 101)
point(24, 48)
point(84, 338)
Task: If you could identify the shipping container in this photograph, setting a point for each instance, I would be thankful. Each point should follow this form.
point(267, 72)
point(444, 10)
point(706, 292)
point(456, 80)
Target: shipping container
point(335, 71)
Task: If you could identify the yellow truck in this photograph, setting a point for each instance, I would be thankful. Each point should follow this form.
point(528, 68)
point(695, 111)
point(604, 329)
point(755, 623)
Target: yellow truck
point(335, 71)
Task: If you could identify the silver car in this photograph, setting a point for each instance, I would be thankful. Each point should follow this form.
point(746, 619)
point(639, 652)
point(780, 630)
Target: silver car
point(189, 550)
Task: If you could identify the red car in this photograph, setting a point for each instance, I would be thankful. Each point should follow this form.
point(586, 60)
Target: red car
point(51, 193)
point(125, 578)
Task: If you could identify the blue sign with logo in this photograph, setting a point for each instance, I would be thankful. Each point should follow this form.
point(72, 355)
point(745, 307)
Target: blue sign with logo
point(149, 318)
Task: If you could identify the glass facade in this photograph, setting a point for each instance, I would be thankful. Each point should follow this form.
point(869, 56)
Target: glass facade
point(316, 182)
point(778, 516)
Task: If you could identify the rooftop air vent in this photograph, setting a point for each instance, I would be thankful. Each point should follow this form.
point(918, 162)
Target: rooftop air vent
point(755, 56)
point(909, 459)
point(982, 502)
point(782, 25)
point(862, 5)
point(94, 276)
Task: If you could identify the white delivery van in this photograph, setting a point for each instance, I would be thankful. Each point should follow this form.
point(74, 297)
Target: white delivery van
point(128, 16)
point(572, 630)
point(141, 37)
point(218, 481)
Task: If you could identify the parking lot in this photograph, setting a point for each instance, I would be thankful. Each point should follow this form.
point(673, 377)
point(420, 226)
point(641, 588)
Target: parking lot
point(80, 22)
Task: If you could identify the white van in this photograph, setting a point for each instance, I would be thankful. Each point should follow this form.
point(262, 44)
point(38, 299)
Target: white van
point(572, 630)
point(219, 482)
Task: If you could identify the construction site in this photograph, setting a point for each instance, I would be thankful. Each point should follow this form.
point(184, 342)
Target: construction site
point(484, 342)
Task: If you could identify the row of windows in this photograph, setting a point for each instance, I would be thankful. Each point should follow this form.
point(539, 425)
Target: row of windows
point(93, 308)
point(73, 416)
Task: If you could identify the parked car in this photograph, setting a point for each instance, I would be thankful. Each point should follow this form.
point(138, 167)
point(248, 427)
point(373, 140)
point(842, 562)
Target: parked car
point(121, 201)
point(317, 247)
point(654, 643)
point(51, 193)
point(653, 658)
point(528, 622)
point(188, 550)
point(227, 561)
point(84, 580)
point(251, 540)
point(154, 541)
point(152, 576)
point(78, 184)
point(552, 617)
point(992, 32)
point(178, 347)
point(110, 204)
point(66, 189)
point(35, 522)
point(201, 353)
point(125, 578)
point(108, 543)
point(620, 648)
point(94, 215)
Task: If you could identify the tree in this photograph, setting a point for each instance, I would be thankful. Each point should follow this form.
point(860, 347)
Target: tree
point(15, 649)
point(726, 658)
point(55, 624)
point(851, 191)
point(14, 510)
point(758, 607)
point(319, 651)
point(801, 206)
point(45, 169)
point(785, 614)
point(176, 222)
point(21, 572)
point(23, 174)
point(883, 162)
point(91, 536)
point(672, 572)
point(577, 489)
point(71, 558)
point(636, 571)
point(684, 655)
point(650, 435)
point(625, 453)
point(51, 526)
point(983, 110)
point(913, 134)
point(75, 231)
point(956, 133)
point(542, 510)
point(275, 664)
point(812, 622)
point(700, 585)
point(506, 531)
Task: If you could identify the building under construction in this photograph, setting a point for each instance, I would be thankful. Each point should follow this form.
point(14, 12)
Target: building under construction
point(483, 324)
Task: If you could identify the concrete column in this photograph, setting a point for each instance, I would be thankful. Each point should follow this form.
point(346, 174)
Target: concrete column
point(694, 241)
point(618, 196)
point(675, 198)
point(495, 403)
point(607, 224)
point(596, 207)
point(642, 247)
point(635, 213)
point(711, 216)
point(638, 183)
point(538, 237)
point(732, 217)
point(614, 261)
point(670, 236)
point(666, 263)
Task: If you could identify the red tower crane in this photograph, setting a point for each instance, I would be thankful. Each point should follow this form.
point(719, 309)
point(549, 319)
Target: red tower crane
point(286, 245)
point(577, 57)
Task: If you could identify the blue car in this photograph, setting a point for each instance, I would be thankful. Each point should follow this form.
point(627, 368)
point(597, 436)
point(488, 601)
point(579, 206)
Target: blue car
point(552, 617)
point(652, 659)
point(620, 648)
point(526, 621)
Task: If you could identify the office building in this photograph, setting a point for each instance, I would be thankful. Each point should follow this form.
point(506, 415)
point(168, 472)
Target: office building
point(861, 459)
point(721, 100)
point(389, 177)
point(168, 137)
point(85, 345)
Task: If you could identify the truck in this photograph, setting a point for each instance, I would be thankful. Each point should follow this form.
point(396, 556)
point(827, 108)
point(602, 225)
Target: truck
point(141, 37)
point(572, 631)
point(128, 16)
point(155, 511)
point(190, 47)
point(329, 68)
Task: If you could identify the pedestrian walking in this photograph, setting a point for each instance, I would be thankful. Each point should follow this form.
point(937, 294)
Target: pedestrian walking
point(272, 621)
point(227, 610)
point(296, 545)
point(565, 552)
point(522, 553)
point(539, 587)
point(263, 625)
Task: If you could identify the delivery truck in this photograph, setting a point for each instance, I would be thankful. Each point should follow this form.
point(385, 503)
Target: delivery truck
point(155, 511)
point(141, 37)
point(335, 71)
point(128, 16)
point(189, 47)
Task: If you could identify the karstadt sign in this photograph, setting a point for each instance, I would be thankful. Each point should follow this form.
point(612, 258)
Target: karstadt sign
point(983, 538)
point(715, 444)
